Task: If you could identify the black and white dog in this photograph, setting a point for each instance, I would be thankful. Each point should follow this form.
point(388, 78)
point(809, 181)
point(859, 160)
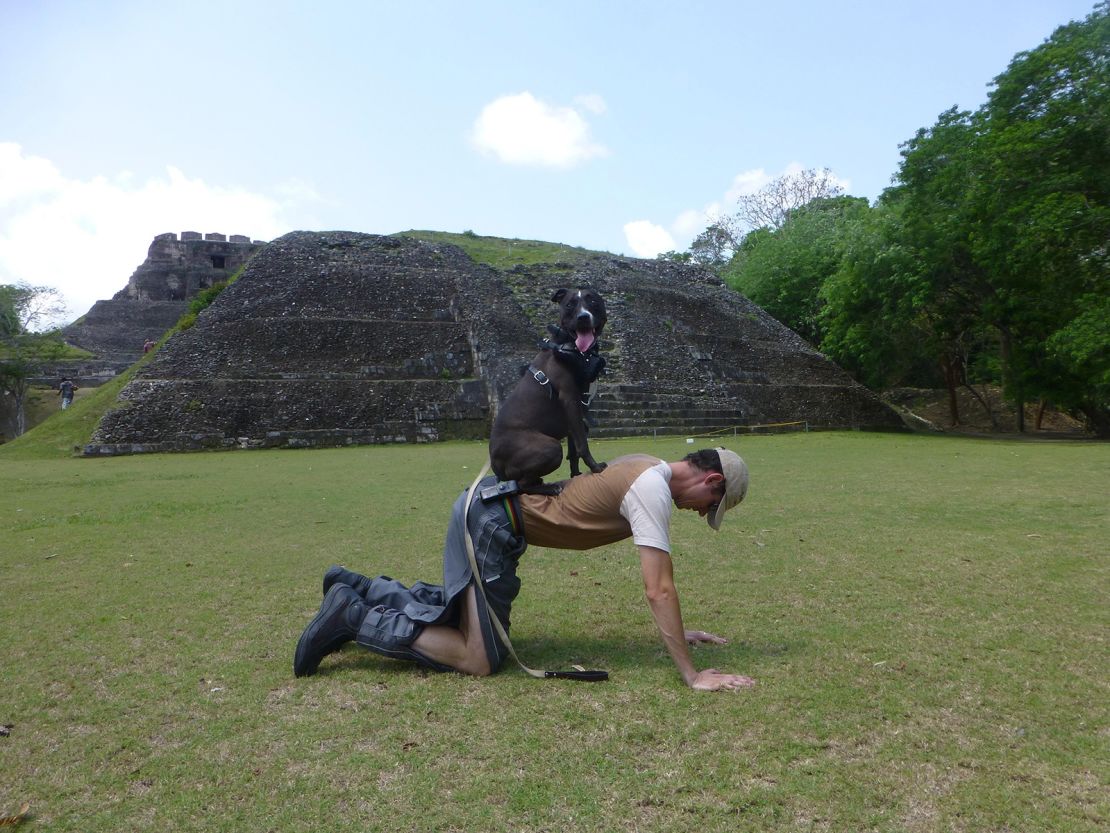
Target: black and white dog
point(549, 402)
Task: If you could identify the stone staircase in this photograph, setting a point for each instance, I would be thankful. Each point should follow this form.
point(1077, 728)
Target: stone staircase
point(629, 410)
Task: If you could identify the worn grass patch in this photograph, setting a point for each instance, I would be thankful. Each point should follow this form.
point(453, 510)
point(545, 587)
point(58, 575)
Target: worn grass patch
point(926, 617)
point(504, 253)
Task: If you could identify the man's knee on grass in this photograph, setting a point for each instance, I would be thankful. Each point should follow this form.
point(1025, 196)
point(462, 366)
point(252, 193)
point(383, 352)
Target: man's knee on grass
point(463, 648)
point(451, 646)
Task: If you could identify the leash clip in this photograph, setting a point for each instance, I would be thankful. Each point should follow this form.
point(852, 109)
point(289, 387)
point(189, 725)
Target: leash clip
point(503, 488)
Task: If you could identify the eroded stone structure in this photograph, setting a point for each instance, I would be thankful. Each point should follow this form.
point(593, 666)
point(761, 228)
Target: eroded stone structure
point(156, 296)
point(338, 338)
point(177, 269)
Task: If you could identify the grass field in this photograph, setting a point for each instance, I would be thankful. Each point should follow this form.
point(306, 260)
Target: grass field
point(926, 617)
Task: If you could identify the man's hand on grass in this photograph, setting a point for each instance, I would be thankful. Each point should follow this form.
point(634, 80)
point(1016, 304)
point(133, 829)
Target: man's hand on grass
point(695, 637)
point(713, 680)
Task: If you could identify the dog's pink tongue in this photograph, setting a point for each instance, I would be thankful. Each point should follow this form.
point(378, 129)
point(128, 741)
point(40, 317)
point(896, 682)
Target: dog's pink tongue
point(584, 341)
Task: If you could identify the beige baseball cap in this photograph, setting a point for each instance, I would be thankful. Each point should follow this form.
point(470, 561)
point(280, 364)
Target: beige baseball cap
point(736, 485)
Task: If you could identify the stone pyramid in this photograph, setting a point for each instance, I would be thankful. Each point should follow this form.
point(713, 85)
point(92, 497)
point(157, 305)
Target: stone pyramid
point(336, 338)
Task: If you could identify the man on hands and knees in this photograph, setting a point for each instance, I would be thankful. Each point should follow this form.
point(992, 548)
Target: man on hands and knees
point(449, 626)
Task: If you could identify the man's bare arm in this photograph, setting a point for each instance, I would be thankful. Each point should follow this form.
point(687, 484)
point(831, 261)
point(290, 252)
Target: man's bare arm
point(662, 598)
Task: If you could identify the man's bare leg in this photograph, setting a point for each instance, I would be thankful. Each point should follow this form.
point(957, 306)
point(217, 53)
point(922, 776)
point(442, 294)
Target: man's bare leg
point(462, 648)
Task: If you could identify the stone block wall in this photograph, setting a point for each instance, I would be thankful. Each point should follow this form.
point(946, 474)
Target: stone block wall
point(193, 414)
point(113, 328)
point(326, 348)
point(177, 269)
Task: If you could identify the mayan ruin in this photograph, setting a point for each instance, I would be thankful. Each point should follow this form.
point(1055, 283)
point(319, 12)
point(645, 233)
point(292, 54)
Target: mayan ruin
point(337, 338)
point(156, 296)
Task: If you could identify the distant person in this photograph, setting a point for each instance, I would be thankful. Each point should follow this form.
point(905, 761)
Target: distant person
point(449, 627)
point(148, 345)
point(65, 390)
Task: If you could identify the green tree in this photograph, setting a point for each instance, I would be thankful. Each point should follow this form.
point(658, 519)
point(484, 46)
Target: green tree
point(714, 247)
point(24, 352)
point(1081, 349)
point(675, 257)
point(784, 269)
point(1005, 219)
point(871, 316)
point(952, 291)
point(1045, 185)
point(890, 321)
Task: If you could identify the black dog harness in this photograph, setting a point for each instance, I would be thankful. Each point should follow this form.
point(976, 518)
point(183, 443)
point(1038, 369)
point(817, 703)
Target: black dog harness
point(584, 367)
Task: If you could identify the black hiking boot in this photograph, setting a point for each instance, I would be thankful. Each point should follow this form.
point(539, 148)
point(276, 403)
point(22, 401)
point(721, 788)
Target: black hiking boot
point(337, 623)
point(341, 575)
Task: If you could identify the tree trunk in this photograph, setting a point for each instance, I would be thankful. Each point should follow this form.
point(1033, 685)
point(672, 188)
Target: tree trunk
point(20, 414)
point(948, 366)
point(1040, 413)
point(986, 406)
point(1008, 377)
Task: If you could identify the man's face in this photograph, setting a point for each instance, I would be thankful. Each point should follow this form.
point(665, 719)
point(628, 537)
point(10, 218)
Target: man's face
point(703, 494)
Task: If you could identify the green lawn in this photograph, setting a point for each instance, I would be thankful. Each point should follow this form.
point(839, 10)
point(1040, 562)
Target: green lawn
point(926, 617)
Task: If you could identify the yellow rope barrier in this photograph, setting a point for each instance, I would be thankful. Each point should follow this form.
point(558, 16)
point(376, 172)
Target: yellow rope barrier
point(735, 428)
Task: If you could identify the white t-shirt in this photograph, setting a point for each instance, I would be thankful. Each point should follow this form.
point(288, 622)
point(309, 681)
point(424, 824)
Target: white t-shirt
point(647, 508)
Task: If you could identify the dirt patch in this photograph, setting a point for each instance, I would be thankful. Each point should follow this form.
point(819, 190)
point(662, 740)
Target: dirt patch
point(932, 409)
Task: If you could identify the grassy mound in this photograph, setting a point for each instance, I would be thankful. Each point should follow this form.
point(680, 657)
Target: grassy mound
point(63, 433)
point(503, 253)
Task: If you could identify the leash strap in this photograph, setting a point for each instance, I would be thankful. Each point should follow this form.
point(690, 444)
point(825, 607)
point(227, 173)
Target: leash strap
point(578, 673)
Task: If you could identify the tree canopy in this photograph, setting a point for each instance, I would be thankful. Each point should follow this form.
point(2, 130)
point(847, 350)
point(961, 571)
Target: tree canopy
point(987, 255)
point(783, 269)
point(23, 352)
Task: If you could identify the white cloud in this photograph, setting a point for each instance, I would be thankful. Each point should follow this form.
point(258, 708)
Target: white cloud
point(86, 237)
point(691, 223)
point(23, 178)
point(522, 130)
point(646, 239)
point(652, 238)
point(748, 182)
point(592, 103)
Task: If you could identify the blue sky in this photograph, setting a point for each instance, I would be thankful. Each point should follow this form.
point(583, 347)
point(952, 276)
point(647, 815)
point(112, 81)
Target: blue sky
point(620, 126)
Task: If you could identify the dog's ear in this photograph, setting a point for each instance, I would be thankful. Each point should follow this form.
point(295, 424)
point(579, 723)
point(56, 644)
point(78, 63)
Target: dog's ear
point(559, 295)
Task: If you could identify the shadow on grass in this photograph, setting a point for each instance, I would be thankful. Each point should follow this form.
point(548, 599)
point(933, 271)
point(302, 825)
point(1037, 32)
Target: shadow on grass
point(563, 653)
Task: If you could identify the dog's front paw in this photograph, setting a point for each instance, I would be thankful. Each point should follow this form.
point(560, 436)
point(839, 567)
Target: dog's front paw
point(598, 468)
